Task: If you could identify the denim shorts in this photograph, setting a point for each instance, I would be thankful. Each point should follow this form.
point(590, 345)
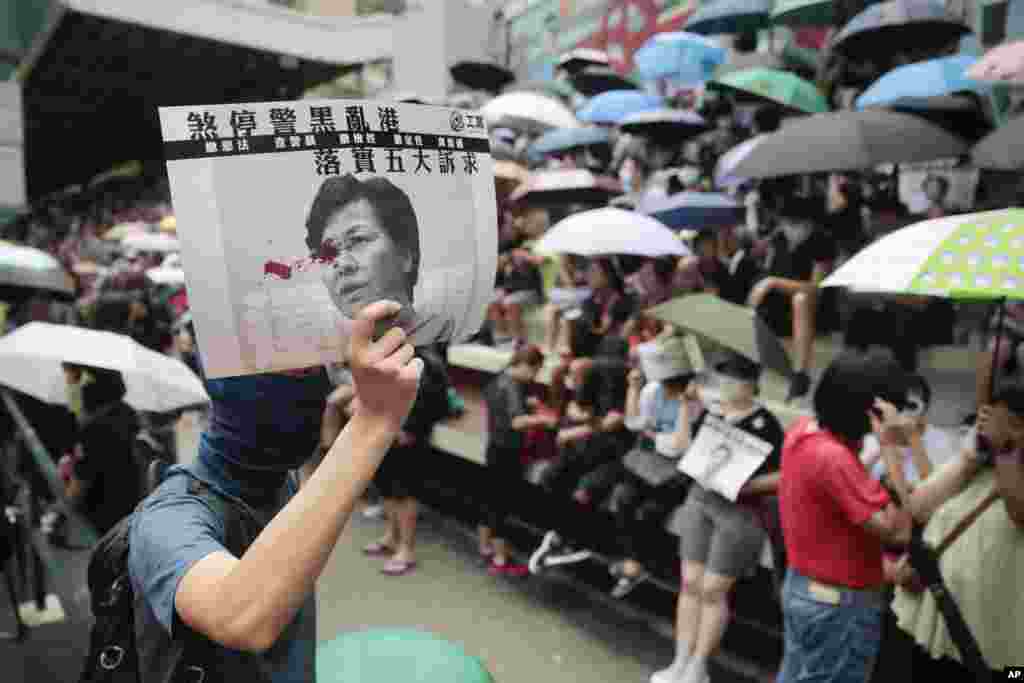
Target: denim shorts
point(831, 636)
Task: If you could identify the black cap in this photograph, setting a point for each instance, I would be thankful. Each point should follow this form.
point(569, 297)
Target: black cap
point(740, 367)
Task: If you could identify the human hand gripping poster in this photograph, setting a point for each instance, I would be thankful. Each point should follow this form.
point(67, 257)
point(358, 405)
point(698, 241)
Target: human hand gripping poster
point(294, 215)
point(722, 458)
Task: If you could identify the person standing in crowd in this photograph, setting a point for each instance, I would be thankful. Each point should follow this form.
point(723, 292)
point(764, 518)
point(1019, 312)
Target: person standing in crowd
point(981, 569)
point(258, 611)
point(400, 473)
point(737, 271)
point(721, 540)
point(508, 418)
point(835, 521)
point(105, 483)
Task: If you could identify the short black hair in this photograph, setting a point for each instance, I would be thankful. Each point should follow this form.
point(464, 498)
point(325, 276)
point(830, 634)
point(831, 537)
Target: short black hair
point(391, 204)
point(678, 383)
point(849, 387)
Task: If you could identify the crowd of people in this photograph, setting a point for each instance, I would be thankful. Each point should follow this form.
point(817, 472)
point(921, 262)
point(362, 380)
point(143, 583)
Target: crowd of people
point(834, 495)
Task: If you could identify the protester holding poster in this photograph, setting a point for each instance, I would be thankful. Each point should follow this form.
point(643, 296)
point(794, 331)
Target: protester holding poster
point(721, 536)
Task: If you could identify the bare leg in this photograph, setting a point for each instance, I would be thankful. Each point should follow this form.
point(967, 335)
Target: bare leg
point(804, 309)
point(407, 512)
point(982, 381)
point(391, 536)
point(552, 318)
point(501, 551)
point(714, 618)
point(688, 609)
point(514, 318)
point(485, 538)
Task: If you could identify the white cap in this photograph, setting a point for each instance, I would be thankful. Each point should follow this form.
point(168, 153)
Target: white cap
point(664, 359)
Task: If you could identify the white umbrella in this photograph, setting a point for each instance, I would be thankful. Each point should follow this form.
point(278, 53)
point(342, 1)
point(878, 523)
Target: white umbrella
point(27, 267)
point(149, 241)
point(172, 260)
point(166, 276)
point(971, 256)
point(31, 357)
point(528, 110)
point(609, 231)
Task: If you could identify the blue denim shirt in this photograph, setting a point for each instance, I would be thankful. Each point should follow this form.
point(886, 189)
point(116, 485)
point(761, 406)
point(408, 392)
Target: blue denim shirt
point(174, 531)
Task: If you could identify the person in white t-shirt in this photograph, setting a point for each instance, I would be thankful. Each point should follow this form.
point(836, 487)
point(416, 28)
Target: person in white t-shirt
point(928, 446)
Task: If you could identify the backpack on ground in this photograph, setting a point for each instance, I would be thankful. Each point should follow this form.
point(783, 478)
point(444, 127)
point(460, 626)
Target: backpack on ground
point(113, 655)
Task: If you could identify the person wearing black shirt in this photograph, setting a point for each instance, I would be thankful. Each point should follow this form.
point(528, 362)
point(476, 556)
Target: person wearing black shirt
point(802, 255)
point(737, 271)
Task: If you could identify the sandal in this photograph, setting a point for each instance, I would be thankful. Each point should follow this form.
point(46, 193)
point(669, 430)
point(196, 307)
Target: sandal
point(378, 549)
point(398, 567)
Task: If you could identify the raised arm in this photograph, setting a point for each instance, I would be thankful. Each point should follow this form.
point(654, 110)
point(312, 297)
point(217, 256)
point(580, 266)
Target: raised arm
point(246, 603)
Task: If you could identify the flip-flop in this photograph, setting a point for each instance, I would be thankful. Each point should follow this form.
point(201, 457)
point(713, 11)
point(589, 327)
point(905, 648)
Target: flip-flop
point(377, 549)
point(398, 567)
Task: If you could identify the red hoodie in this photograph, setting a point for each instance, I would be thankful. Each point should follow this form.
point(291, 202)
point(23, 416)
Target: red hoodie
point(825, 497)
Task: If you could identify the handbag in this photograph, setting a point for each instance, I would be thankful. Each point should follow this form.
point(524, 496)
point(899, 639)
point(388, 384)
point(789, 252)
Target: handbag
point(653, 468)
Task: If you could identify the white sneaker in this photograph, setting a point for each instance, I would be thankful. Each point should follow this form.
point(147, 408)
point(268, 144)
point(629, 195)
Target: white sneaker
point(547, 545)
point(672, 674)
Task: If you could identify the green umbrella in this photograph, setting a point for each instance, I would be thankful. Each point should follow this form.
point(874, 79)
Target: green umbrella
point(775, 86)
point(406, 655)
point(804, 12)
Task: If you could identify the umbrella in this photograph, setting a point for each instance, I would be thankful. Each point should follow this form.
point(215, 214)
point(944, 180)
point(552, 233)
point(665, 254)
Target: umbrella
point(730, 16)
point(891, 27)
point(31, 357)
point(803, 61)
point(803, 12)
point(962, 115)
point(735, 327)
point(485, 76)
point(1003, 150)
point(664, 123)
point(752, 60)
point(615, 105)
point(122, 230)
point(169, 224)
point(172, 277)
point(565, 139)
point(404, 655)
point(581, 58)
point(29, 268)
point(971, 256)
point(687, 58)
point(558, 188)
point(594, 80)
point(694, 210)
point(1003, 63)
point(609, 231)
point(772, 85)
point(932, 78)
point(557, 88)
point(149, 241)
point(845, 141)
point(725, 169)
point(528, 112)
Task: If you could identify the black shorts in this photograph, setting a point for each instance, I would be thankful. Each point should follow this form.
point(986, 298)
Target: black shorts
point(401, 472)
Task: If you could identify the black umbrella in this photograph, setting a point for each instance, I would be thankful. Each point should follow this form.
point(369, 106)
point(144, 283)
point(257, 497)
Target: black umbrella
point(961, 115)
point(579, 59)
point(482, 76)
point(594, 80)
point(1003, 150)
point(896, 26)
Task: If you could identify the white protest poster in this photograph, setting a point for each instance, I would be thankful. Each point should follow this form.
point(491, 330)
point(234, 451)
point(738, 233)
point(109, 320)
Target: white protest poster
point(723, 458)
point(962, 184)
point(294, 215)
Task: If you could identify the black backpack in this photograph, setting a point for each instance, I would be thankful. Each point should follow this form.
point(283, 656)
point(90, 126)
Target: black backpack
point(113, 655)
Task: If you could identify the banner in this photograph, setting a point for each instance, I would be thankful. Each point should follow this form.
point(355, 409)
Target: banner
point(294, 215)
point(723, 458)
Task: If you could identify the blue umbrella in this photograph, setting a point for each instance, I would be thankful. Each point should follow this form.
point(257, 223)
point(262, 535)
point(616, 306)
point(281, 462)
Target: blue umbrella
point(685, 57)
point(613, 106)
point(933, 78)
point(694, 210)
point(564, 139)
point(730, 16)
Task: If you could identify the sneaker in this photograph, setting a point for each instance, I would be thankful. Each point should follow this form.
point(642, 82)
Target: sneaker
point(799, 385)
point(626, 584)
point(566, 556)
point(538, 559)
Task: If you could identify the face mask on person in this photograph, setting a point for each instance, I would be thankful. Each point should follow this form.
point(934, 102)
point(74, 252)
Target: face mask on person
point(732, 389)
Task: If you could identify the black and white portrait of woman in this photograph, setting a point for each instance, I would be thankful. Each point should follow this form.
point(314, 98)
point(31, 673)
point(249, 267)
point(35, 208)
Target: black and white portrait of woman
point(367, 236)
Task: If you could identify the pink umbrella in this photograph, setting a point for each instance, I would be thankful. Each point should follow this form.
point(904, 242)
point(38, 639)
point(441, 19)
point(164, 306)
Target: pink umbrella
point(1003, 63)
